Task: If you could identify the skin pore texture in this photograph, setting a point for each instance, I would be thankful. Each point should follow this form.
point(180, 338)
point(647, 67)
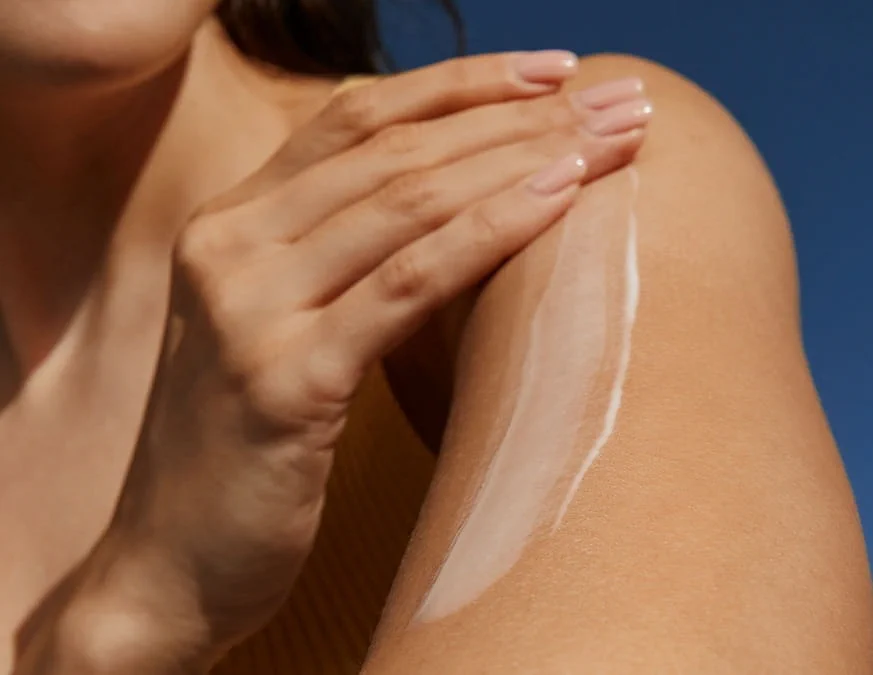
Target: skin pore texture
point(566, 404)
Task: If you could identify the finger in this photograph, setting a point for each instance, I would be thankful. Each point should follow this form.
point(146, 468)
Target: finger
point(425, 93)
point(437, 90)
point(408, 149)
point(359, 238)
point(381, 310)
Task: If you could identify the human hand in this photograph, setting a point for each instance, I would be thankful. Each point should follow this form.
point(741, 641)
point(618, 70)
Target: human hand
point(397, 197)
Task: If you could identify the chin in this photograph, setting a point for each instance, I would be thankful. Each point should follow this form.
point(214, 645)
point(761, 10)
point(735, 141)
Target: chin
point(69, 42)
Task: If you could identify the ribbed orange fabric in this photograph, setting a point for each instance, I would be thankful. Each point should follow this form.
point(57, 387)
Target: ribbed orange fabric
point(380, 477)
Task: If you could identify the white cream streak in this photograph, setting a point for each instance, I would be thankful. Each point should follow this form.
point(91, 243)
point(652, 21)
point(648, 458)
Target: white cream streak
point(631, 301)
point(567, 351)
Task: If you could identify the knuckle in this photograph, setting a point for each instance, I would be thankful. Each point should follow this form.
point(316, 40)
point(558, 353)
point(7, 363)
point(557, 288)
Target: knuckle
point(503, 68)
point(355, 109)
point(401, 139)
point(329, 382)
point(463, 73)
point(546, 114)
point(485, 225)
point(196, 245)
point(402, 276)
point(458, 74)
point(309, 398)
point(226, 302)
point(554, 145)
point(204, 255)
point(531, 116)
point(558, 111)
point(410, 193)
point(270, 402)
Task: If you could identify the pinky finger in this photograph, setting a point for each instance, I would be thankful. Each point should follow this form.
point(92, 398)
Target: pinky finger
point(387, 306)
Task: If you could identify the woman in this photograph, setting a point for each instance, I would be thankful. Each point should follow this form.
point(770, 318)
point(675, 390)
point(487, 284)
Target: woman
point(635, 475)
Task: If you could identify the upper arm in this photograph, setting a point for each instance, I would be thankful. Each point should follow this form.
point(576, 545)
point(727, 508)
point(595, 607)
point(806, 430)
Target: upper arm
point(696, 160)
point(716, 531)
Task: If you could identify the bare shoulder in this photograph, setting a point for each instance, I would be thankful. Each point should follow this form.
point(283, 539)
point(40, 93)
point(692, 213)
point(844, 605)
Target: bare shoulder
point(706, 194)
point(686, 112)
point(701, 167)
point(702, 532)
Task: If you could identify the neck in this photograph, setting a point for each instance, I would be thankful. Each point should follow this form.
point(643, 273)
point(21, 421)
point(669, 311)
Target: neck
point(95, 183)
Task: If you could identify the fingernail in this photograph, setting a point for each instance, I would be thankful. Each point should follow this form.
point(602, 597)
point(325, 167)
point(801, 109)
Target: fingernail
point(548, 66)
point(559, 175)
point(608, 93)
point(621, 117)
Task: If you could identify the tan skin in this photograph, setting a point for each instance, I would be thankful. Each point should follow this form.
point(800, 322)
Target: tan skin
point(274, 318)
point(67, 369)
point(717, 532)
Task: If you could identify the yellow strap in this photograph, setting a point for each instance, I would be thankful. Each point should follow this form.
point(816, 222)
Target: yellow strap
point(353, 81)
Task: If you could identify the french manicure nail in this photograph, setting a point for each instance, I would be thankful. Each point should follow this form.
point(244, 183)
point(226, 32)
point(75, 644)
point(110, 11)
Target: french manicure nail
point(559, 175)
point(608, 93)
point(621, 117)
point(550, 66)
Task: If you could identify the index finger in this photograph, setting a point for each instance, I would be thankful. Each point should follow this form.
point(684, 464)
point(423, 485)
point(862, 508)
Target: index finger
point(357, 113)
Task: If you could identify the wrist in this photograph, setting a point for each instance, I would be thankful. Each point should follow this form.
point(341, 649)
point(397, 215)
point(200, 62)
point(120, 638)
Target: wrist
point(129, 611)
point(100, 635)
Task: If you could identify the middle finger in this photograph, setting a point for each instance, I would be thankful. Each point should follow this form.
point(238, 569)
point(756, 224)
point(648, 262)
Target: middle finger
point(358, 239)
point(413, 147)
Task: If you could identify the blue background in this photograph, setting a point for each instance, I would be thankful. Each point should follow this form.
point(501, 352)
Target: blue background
point(799, 77)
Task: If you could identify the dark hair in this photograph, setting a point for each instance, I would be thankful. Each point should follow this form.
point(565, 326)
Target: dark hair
point(321, 37)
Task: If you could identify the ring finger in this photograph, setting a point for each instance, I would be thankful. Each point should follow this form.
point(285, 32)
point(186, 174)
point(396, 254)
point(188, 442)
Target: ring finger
point(358, 239)
point(388, 305)
point(416, 146)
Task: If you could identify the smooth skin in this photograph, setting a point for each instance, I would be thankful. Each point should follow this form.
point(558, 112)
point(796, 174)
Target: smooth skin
point(717, 532)
point(276, 313)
